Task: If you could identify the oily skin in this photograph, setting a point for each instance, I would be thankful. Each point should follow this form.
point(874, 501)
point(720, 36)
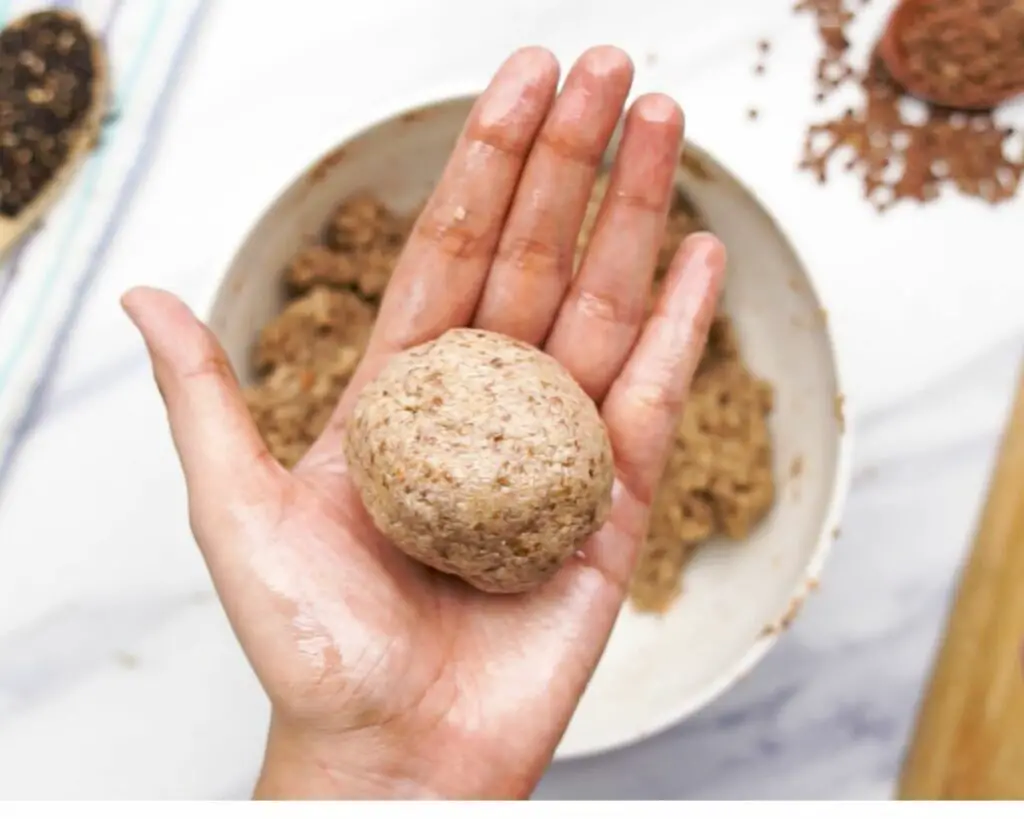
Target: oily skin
point(386, 679)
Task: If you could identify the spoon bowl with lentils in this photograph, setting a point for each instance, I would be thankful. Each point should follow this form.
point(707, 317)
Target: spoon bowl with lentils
point(53, 93)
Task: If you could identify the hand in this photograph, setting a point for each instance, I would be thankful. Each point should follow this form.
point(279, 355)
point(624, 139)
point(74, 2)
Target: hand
point(385, 678)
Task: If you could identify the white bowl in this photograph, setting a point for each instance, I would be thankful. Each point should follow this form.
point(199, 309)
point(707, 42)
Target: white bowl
point(737, 597)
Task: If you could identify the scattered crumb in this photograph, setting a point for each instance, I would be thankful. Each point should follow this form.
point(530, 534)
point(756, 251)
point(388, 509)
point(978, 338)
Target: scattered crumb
point(903, 156)
point(764, 46)
point(796, 467)
point(325, 165)
point(759, 68)
point(752, 114)
point(792, 609)
point(836, 532)
point(838, 411)
point(126, 660)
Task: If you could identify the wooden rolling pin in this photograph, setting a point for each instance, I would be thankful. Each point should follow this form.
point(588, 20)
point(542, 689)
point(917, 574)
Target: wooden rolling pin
point(969, 738)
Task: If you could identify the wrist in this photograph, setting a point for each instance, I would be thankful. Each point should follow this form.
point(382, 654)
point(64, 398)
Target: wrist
point(371, 764)
point(298, 765)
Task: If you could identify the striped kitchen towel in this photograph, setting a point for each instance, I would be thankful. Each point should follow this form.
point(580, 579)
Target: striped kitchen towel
point(43, 282)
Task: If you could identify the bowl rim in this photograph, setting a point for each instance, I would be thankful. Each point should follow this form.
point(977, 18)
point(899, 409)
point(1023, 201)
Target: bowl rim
point(841, 473)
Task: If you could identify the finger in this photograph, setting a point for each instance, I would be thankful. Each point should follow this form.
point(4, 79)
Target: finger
point(600, 318)
point(566, 623)
point(534, 261)
point(440, 274)
point(222, 454)
point(438, 279)
point(572, 616)
point(643, 405)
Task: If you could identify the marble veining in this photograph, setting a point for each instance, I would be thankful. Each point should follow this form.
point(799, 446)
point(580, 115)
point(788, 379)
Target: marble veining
point(119, 675)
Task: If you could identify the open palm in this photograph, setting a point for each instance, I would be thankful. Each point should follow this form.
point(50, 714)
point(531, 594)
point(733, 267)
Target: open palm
point(387, 678)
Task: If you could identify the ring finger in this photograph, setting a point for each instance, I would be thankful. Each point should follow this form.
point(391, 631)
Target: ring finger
point(601, 316)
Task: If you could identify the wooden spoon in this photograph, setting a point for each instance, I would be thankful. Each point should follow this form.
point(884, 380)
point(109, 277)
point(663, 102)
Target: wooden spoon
point(84, 138)
point(892, 50)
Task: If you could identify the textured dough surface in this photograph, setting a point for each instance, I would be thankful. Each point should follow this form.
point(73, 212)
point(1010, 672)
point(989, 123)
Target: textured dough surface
point(480, 456)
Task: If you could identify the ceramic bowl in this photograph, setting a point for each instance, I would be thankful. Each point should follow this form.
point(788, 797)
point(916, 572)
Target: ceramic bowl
point(737, 597)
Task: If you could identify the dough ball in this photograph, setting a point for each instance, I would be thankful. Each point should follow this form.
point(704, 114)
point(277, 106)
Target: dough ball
point(480, 456)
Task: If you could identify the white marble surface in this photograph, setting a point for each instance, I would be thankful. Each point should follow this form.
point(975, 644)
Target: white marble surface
point(118, 674)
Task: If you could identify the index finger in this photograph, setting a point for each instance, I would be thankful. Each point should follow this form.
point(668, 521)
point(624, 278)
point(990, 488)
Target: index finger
point(441, 272)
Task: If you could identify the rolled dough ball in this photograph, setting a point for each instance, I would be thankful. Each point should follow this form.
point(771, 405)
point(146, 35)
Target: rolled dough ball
point(480, 456)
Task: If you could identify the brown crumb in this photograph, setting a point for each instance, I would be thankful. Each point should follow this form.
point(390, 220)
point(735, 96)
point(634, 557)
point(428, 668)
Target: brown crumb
point(759, 69)
point(764, 46)
point(327, 164)
point(126, 660)
point(752, 114)
point(840, 415)
point(792, 610)
point(796, 467)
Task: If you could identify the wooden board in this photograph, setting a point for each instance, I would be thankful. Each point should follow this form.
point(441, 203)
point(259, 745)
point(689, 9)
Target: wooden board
point(969, 738)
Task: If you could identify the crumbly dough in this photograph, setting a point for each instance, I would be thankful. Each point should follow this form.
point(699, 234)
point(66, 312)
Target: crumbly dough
point(313, 327)
point(480, 456)
point(360, 247)
point(306, 355)
point(718, 479)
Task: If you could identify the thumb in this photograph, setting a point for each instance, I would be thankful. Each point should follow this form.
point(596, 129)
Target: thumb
point(222, 454)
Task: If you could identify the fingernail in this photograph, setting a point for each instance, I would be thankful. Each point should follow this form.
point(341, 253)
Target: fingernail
point(658, 108)
point(128, 304)
point(605, 60)
point(527, 70)
point(708, 250)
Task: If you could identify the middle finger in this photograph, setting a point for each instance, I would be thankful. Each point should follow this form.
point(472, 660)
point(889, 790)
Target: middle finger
point(534, 261)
